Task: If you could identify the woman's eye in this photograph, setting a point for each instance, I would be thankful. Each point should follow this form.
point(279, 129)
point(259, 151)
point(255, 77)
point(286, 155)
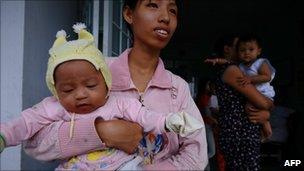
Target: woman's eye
point(153, 5)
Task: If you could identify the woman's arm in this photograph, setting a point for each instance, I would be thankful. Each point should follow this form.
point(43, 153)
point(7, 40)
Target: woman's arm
point(119, 134)
point(231, 77)
point(53, 142)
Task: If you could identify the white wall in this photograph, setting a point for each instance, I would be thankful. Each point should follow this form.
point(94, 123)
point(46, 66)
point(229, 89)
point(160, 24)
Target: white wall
point(42, 21)
point(12, 34)
point(28, 30)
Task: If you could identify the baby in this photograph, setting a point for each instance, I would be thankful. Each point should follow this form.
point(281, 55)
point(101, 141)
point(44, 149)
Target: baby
point(80, 80)
point(258, 71)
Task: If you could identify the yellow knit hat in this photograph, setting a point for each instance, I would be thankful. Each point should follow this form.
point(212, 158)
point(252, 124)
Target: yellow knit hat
point(81, 49)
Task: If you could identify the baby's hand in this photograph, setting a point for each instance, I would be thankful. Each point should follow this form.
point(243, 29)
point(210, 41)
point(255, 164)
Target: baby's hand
point(243, 81)
point(182, 123)
point(210, 120)
point(2, 144)
point(266, 131)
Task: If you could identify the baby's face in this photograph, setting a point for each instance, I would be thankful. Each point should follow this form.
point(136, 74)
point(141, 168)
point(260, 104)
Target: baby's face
point(248, 52)
point(80, 87)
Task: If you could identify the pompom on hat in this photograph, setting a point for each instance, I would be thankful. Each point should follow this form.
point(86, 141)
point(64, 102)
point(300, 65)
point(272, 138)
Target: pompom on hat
point(81, 49)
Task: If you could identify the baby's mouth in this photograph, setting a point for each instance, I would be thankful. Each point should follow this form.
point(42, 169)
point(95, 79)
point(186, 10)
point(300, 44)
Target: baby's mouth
point(83, 106)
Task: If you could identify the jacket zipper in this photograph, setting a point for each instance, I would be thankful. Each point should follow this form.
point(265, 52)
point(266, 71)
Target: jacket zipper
point(141, 98)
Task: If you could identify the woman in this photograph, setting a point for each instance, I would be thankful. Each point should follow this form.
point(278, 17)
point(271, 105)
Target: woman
point(137, 73)
point(239, 137)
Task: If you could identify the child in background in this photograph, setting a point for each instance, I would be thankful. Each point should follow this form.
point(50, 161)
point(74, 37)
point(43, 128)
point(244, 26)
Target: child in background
point(206, 101)
point(208, 105)
point(79, 79)
point(258, 71)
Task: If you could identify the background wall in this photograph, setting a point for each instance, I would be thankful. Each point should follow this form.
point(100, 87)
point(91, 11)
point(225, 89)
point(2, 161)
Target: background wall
point(42, 21)
point(28, 30)
point(279, 23)
point(12, 32)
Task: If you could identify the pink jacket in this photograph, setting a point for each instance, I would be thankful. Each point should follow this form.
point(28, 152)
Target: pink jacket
point(165, 93)
point(49, 110)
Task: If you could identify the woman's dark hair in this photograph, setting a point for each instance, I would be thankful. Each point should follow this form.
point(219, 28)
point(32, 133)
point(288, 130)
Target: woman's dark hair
point(226, 39)
point(248, 37)
point(132, 4)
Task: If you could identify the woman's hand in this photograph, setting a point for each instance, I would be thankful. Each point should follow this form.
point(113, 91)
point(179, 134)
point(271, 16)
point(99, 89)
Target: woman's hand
point(257, 116)
point(211, 61)
point(216, 61)
point(119, 134)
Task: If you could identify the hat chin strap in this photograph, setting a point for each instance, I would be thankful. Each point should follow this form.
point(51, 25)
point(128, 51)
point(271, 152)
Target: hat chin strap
point(72, 125)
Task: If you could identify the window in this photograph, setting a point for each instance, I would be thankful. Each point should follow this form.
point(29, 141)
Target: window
point(120, 35)
point(108, 27)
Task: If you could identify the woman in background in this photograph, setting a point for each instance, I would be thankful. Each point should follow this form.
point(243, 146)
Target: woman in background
point(239, 136)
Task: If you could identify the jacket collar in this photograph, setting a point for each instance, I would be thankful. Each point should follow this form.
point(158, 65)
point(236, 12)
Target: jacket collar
point(122, 78)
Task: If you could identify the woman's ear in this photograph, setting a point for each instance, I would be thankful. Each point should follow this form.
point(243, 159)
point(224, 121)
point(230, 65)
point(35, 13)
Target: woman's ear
point(127, 14)
point(259, 51)
point(227, 49)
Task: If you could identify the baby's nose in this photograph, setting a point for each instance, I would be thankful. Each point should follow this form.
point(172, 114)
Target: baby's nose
point(81, 94)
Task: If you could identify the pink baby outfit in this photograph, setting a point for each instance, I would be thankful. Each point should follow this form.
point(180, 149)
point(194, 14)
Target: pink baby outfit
point(50, 110)
point(165, 93)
